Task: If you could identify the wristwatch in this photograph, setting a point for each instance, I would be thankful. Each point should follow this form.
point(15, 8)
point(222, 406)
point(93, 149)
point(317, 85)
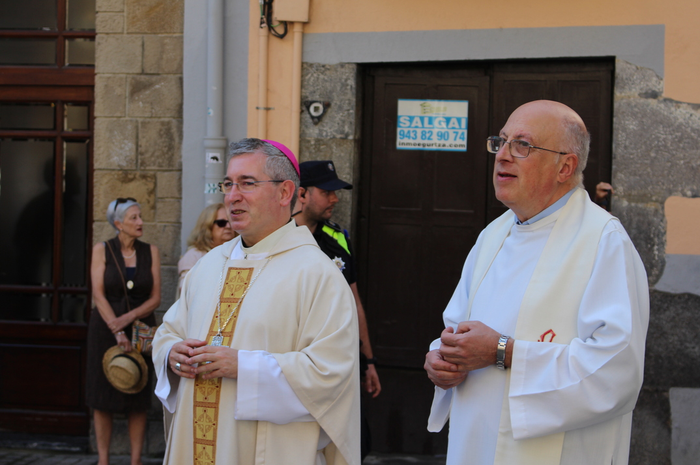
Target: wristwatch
point(501, 352)
point(371, 361)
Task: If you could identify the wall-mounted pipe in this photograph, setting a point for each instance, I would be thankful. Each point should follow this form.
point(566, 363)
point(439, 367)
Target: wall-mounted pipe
point(296, 87)
point(262, 82)
point(214, 142)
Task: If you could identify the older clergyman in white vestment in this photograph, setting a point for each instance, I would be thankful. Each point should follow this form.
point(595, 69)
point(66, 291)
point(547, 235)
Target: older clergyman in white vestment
point(542, 355)
point(258, 359)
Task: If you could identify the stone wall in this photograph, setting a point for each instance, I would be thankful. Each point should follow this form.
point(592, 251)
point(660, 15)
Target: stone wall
point(138, 121)
point(656, 155)
point(336, 136)
point(138, 138)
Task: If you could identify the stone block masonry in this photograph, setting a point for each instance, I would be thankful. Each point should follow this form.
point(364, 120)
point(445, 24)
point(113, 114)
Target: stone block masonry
point(655, 157)
point(138, 135)
point(335, 138)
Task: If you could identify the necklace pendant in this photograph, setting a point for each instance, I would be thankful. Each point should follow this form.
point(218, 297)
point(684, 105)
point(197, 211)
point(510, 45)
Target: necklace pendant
point(130, 284)
point(217, 340)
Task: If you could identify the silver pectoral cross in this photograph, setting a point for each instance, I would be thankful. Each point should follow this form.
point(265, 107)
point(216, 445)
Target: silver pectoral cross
point(217, 340)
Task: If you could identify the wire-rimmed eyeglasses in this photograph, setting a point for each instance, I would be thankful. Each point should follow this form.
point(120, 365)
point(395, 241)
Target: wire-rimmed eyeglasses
point(244, 186)
point(518, 148)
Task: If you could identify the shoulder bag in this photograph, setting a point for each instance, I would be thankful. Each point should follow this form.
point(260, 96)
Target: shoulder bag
point(141, 333)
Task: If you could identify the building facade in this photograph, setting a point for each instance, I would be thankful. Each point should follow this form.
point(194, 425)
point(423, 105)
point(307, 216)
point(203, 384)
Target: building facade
point(175, 81)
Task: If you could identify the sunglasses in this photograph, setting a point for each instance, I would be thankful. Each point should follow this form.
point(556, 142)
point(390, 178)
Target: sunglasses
point(123, 200)
point(221, 223)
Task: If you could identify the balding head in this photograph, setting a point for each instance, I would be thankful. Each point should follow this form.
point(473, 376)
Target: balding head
point(555, 163)
point(570, 129)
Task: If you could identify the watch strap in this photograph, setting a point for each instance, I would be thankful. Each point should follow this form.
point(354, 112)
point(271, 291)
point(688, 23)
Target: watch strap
point(501, 352)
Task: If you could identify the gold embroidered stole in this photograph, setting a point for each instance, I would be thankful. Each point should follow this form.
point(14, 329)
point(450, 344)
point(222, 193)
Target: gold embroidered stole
point(207, 392)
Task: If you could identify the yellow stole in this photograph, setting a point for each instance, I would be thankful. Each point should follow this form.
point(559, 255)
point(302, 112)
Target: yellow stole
point(207, 392)
point(550, 305)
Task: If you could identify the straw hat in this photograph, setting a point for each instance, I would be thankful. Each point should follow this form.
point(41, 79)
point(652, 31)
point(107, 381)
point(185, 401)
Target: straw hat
point(126, 371)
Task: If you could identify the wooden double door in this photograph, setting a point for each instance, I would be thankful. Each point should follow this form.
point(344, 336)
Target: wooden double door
point(46, 126)
point(421, 210)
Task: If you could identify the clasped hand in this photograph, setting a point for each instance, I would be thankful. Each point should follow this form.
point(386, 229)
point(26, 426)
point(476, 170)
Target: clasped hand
point(196, 357)
point(471, 347)
point(120, 322)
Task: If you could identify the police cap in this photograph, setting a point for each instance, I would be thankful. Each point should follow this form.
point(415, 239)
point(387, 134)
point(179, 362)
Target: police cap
point(321, 174)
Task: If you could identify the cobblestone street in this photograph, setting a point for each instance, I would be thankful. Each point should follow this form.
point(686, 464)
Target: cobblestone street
point(13, 457)
point(28, 449)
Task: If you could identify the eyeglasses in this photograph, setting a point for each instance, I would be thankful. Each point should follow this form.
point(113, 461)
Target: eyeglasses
point(518, 148)
point(244, 186)
point(123, 200)
point(221, 223)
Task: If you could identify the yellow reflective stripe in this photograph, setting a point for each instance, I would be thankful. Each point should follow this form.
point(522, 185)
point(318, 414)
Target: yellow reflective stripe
point(338, 236)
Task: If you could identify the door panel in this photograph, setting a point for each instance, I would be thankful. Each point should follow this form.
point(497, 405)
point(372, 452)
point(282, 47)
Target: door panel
point(420, 199)
point(45, 205)
point(45, 390)
point(422, 211)
point(46, 125)
point(48, 362)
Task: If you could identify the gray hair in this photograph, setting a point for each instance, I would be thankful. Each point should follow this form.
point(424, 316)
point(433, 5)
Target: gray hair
point(116, 210)
point(277, 165)
point(577, 140)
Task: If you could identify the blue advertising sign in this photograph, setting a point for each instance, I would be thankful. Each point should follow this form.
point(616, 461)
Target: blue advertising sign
point(432, 125)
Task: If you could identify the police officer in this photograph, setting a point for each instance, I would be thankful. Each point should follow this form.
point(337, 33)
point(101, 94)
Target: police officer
point(316, 201)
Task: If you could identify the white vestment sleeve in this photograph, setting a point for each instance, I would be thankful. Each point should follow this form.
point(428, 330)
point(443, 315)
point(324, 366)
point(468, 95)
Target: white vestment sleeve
point(455, 312)
point(264, 393)
point(166, 387)
point(170, 332)
point(597, 377)
point(442, 401)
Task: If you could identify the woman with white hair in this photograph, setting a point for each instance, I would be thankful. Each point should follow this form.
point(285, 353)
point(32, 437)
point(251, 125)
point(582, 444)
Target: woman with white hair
point(125, 287)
